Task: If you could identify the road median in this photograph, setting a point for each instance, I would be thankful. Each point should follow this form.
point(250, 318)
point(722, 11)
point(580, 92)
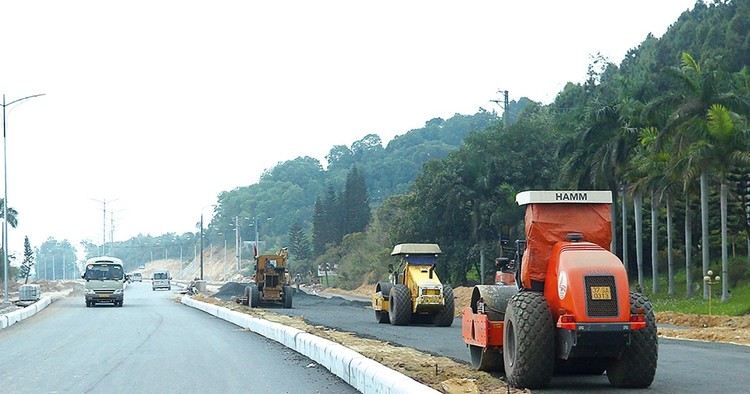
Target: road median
point(11, 318)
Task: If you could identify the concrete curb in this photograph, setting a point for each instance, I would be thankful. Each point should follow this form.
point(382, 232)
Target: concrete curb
point(360, 372)
point(14, 317)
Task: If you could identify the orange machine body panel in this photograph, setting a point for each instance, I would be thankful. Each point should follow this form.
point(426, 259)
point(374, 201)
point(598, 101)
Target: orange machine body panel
point(566, 285)
point(478, 330)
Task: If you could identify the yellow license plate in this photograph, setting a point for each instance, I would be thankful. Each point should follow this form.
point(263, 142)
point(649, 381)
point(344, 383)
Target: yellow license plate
point(601, 293)
point(429, 299)
point(104, 295)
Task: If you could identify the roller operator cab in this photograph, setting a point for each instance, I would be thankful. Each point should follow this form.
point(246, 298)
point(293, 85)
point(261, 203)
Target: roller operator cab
point(105, 281)
point(572, 310)
point(414, 292)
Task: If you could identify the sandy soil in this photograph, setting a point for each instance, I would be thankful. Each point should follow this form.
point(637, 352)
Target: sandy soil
point(729, 329)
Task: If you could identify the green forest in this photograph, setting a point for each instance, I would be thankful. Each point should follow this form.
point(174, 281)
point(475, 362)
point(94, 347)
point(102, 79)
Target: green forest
point(666, 130)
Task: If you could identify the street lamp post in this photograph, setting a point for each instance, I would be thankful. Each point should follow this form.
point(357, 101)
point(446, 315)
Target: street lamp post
point(5, 200)
point(201, 244)
point(257, 246)
point(211, 205)
point(710, 282)
point(238, 242)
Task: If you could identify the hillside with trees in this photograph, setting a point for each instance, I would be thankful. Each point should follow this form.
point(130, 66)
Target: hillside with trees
point(286, 194)
point(666, 130)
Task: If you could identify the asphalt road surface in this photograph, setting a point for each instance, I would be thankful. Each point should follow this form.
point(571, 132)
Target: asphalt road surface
point(683, 367)
point(153, 344)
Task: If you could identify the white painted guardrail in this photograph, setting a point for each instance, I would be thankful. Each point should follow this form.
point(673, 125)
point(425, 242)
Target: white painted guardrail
point(364, 374)
point(17, 315)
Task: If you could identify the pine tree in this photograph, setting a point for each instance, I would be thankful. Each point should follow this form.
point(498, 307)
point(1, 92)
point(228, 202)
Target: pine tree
point(299, 246)
point(356, 206)
point(28, 260)
point(334, 217)
point(319, 225)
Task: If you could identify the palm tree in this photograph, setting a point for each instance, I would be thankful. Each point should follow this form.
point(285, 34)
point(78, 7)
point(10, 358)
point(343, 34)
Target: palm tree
point(724, 145)
point(686, 125)
point(663, 169)
point(649, 168)
point(598, 155)
point(638, 184)
point(688, 248)
point(12, 221)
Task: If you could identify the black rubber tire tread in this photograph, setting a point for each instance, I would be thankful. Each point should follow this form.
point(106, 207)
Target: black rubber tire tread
point(484, 359)
point(400, 305)
point(288, 296)
point(444, 317)
point(384, 288)
point(529, 341)
point(254, 296)
point(88, 304)
point(382, 317)
point(636, 367)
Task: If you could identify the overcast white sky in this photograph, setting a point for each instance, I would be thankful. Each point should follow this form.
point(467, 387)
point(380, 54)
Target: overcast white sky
point(158, 106)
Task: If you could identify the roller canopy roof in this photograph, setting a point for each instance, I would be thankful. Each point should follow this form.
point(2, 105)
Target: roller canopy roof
point(416, 249)
point(564, 196)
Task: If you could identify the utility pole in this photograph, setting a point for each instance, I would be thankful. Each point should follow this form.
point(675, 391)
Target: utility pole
point(257, 250)
point(504, 105)
point(237, 241)
point(112, 229)
point(104, 223)
point(201, 240)
point(201, 244)
point(5, 104)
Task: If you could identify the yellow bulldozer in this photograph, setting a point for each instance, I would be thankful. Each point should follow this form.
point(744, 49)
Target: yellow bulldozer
point(270, 282)
point(414, 292)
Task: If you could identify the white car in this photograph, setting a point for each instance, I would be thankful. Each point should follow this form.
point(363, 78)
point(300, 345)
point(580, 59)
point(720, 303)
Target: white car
point(161, 280)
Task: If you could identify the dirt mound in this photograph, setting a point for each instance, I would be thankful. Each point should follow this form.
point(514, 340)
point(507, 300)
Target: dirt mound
point(229, 290)
point(364, 291)
point(703, 321)
point(731, 329)
point(463, 298)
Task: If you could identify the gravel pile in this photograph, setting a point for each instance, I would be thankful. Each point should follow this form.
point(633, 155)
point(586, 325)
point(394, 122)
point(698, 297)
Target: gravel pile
point(229, 290)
